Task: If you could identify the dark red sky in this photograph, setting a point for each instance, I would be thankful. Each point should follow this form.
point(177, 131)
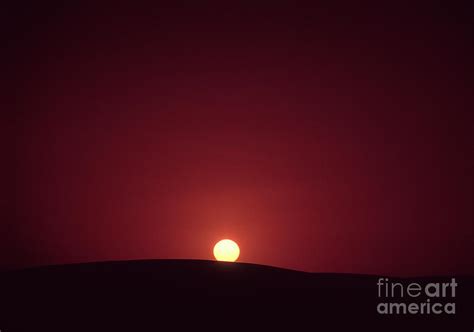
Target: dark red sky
point(322, 139)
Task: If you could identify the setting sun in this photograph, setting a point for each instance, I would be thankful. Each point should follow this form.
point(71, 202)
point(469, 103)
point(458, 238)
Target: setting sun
point(226, 251)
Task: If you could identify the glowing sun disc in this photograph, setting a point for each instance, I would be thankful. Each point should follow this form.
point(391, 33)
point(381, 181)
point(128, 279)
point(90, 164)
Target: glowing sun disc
point(226, 251)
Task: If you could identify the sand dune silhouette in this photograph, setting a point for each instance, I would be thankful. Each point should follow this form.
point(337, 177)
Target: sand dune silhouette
point(171, 295)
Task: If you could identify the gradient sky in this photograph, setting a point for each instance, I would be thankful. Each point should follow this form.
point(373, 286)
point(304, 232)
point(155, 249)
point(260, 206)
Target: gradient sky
point(324, 139)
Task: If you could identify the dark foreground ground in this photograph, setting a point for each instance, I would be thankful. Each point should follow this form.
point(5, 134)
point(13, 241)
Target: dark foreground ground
point(172, 295)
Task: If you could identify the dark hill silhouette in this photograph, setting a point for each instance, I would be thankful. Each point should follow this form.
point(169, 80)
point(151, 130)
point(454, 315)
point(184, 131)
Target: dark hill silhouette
point(170, 295)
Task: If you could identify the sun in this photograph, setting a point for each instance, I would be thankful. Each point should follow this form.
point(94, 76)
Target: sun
point(226, 250)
